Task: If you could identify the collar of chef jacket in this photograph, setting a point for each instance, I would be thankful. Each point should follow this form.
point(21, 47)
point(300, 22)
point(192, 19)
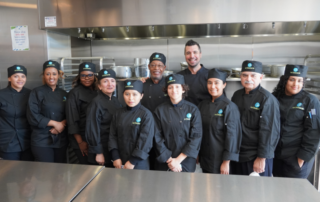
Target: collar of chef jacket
point(252, 91)
point(298, 95)
point(179, 104)
point(15, 91)
point(198, 72)
point(162, 79)
point(104, 95)
point(57, 87)
point(134, 108)
point(219, 98)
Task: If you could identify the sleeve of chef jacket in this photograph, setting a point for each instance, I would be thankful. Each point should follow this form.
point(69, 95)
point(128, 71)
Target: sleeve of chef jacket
point(113, 136)
point(73, 114)
point(233, 134)
point(145, 138)
point(269, 128)
point(35, 118)
point(311, 136)
point(191, 149)
point(163, 153)
point(92, 133)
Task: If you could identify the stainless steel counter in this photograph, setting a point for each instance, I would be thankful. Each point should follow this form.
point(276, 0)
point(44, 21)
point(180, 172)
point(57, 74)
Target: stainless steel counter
point(39, 182)
point(156, 186)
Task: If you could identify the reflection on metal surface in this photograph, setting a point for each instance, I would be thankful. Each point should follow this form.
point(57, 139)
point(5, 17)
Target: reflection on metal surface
point(18, 5)
point(158, 186)
point(34, 181)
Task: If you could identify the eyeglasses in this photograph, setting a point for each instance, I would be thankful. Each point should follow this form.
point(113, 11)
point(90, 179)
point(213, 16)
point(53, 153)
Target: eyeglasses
point(154, 66)
point(84, 76)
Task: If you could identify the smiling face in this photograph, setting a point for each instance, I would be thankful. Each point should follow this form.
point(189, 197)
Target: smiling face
point(107, 85)
point(132, 97)
point(51, 76)
point(175, 92)
point(17, 80)
point(294, 85)
point(215, 87)
point(250, 80)
point(192, 55)
point(156, 69)
point(86, 78)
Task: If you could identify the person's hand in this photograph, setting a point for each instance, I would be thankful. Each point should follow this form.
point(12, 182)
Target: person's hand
point(83, 146)
point(144, 79)
point(259, 165)
point(174, 165)
point(54, 131)
point(128, 165)
point(224, 168)
point(100, 159)
point(300, 162)
point(117, 163)
point(59, 126)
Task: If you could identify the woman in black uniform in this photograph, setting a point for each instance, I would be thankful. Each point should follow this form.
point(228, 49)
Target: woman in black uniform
point(15, 132)
point(300, 125)
point(46, 115)
point(99, 117)
point(78, 100)
point(132, 130)
point(179, 133)
point(221, 127)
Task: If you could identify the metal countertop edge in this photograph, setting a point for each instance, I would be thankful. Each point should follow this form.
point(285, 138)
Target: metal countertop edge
point(75, 196)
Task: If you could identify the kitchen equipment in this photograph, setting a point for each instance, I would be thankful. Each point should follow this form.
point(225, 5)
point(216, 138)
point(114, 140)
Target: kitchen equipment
point(140, 61)
point(277, 70)
point(227, 71)
point(235, 72)
point(122, 71)
point(167, 73)
point(184, 65)
point(142, 71)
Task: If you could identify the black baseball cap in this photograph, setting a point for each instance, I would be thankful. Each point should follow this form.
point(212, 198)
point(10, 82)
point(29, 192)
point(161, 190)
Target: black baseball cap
point(51, 63)
point(217, 73)
point(87, 66)
point(133, 85)
point(174, 79)
point(16, 69)
point(106, 73)
point(251, 66)
point(158, 57)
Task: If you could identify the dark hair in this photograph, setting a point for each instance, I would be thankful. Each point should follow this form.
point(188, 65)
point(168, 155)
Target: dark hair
point(9, 83)
point(192, 43)
point(185, 87)
point(76, 82)
point(280, 89)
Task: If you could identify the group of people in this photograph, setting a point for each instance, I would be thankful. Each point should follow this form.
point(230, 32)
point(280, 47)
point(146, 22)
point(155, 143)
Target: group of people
point(168, 124)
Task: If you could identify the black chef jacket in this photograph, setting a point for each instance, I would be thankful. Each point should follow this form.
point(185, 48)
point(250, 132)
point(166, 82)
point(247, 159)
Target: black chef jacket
point(197, 84)
point(300, 131)
point(179, 130)
point(153, 94)
point(46, 105)
point(99, 117)
point(260, 119)
point(131, 133)
point(15, 131)
point(221, 137)
point(78, 100)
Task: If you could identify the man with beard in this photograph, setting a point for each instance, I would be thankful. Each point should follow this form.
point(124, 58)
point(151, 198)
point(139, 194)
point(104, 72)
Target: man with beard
point(196, 75)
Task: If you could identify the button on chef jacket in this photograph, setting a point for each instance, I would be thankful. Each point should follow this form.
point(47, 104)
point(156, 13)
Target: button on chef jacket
point(131, 133)
point(221, 133)
point(76, 107)
point(179, 130)
point(260, 119)
point(153, 94)
point(99, 117)
point(197, 84)
point(300, 130)
point(46, 105)
point(15, 131)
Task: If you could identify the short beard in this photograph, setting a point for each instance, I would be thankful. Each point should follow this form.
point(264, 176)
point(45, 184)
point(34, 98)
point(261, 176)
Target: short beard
point(194, 66)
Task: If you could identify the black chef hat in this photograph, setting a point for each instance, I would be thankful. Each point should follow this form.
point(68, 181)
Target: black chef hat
point(175, 79)
point(106, 73)
point(87, 66)
point(16, 69)
point(251, 66)
point(296, 70)
point(158, 57)
point(217, 73)
point(133, 85)
point(51, 63)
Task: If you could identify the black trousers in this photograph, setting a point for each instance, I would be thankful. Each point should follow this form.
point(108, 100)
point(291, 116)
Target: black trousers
point(82, 159)
point(246, 168)
point(289, 167)
point(47, 154)
point(22, 155)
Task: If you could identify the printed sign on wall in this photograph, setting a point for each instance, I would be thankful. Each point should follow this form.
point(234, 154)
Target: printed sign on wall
point(20, 38)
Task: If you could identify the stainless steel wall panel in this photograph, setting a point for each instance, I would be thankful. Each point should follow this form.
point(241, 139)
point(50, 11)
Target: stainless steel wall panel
point(59, 46)
point(80, 47)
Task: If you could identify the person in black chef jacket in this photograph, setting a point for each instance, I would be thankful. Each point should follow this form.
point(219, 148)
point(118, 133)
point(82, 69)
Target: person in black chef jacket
point(196, 74)
point(179, 129)
point(15, 131)
point(76, 106)
point(221, 124)
point(99, 117)
point(46, 115)
point(260, 119)
point(300, 125)
point(152, 90)
point(132, 130)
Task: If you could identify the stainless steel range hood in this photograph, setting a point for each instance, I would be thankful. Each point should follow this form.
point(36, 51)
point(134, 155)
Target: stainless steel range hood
point(136, 19)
